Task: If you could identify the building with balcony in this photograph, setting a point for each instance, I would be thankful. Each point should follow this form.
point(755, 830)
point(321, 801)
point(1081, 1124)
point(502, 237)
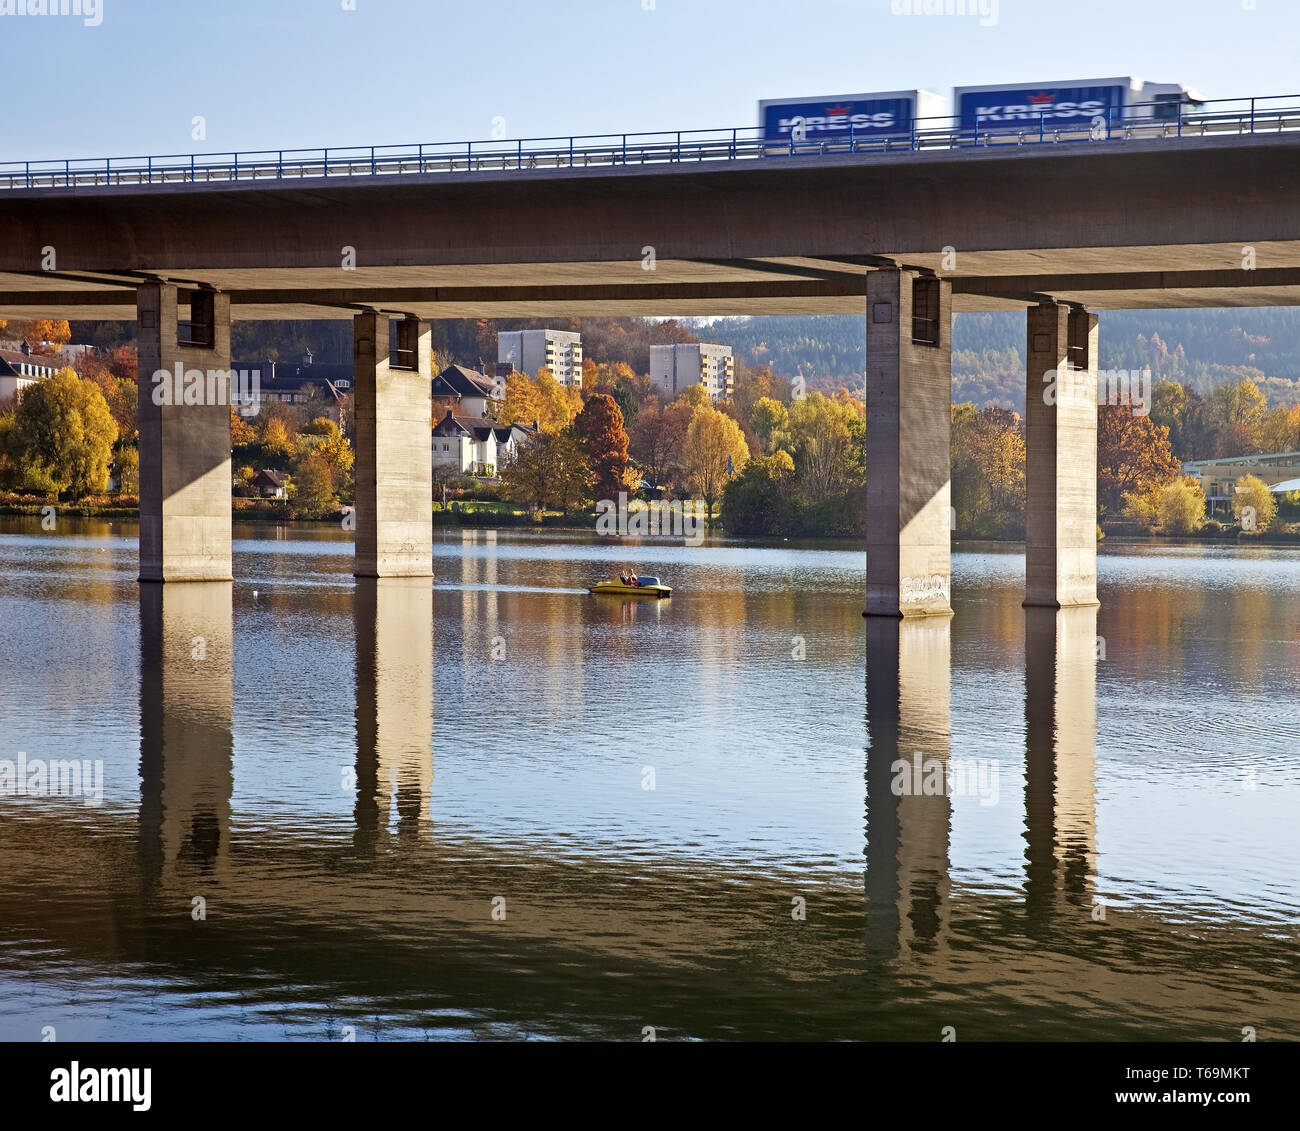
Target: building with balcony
point(560, 351)
point(673, 368)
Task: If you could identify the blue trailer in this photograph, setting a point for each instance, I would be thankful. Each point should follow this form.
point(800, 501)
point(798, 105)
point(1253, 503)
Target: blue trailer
point(839, 117)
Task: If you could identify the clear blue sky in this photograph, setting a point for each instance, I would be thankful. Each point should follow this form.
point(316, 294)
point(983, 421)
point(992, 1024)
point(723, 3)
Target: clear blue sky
point(307, 73)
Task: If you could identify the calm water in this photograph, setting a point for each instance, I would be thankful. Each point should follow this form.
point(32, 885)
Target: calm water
point(497, 807)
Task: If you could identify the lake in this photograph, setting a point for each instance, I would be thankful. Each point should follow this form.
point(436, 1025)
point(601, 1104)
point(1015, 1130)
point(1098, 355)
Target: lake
point(494, 806)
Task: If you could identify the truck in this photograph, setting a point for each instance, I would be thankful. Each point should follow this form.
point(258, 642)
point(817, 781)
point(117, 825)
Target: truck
point(838, 117)
point(1070, 102)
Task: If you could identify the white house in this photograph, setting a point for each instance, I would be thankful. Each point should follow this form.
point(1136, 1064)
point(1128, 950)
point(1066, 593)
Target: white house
point(476, 446)
point(18, 370)
point(467, 393)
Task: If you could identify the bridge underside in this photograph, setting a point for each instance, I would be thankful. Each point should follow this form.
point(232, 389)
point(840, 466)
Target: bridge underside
point(1098, 278)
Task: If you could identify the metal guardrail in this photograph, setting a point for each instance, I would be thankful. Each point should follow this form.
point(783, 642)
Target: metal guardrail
point(1235, 117)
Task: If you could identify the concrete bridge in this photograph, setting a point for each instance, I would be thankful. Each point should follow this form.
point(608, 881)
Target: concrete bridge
point(1060, 230)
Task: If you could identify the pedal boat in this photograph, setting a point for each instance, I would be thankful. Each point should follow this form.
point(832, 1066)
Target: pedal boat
point(649, 587)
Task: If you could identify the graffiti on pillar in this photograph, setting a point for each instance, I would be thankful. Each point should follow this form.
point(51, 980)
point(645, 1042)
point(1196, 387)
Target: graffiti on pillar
point(923, 589)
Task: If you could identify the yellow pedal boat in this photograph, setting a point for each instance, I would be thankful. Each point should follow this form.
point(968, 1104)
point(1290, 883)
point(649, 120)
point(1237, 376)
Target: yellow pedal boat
point(648, 587)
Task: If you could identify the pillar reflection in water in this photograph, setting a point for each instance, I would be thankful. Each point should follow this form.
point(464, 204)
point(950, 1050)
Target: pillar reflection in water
point(1060, 756)
point(186, 749)
point(394, 640)
point(908, 686)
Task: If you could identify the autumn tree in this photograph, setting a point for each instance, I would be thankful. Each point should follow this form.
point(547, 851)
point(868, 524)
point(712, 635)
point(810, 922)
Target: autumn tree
point(63, 436)
point(1169, 508)
point(756, 502)
point(1133, 455)
point(1279, 431)
point(559, 403)
point(1238, 402)
point(658, 439)
point(121, 396)
point(46, 335)
point(277, 446)
point(322, 438)
point(769, 420)
point(1253, 504)
point(242, 433)
point(828, 439)
point(696, 396)
point(126, 462)
point(600, 428)
point(551, 469)
point(520, 405)
point(752, 386)
point(542, 399)
point(999, 450)
point(313, 482)
point(124, 364)
point(988, 471)
point(715, 450)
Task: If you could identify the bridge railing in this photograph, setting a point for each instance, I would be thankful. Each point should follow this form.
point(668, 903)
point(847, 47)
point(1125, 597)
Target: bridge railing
point(1224, 117)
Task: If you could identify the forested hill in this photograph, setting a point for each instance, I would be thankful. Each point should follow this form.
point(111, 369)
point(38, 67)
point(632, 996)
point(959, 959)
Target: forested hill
point(1201, 348)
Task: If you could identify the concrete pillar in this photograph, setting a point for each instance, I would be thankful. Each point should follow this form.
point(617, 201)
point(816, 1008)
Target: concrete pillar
point(909, 665)
point(1061, 457)
point(394, 455)
point(909, 379)
point(1061, 653)
point(393, 620)
point(184, 440)
point(186, 743)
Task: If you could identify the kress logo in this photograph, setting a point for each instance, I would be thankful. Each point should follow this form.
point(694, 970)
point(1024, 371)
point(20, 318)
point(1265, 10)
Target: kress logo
point(1017, 112)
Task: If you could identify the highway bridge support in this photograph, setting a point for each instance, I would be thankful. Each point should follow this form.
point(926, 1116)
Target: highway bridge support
point(1061, 457)
point(184, 421)
point(394, 457)
point(909, 382)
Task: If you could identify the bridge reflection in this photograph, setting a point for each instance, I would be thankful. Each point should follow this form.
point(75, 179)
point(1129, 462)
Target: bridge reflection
point(1060, 758)
point(909, 664)
point(600, 934)
point(186, 748)
point(393, 620)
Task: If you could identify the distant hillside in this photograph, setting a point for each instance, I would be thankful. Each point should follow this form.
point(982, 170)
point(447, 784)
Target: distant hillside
point(1200, 347)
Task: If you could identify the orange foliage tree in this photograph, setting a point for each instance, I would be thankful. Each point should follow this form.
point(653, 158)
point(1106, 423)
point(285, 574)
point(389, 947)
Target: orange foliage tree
point(1133, 456)
point(600, 427)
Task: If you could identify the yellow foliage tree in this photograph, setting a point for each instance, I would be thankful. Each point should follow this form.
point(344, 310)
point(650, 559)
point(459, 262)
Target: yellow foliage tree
point(1253, 504)
point(695, 395)
point(63, 436)
point(715, 450)
point(542, 399)
point(1170, 508)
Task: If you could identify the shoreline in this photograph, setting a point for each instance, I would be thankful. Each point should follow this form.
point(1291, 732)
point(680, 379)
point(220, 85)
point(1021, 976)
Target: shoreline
point(267, 511)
